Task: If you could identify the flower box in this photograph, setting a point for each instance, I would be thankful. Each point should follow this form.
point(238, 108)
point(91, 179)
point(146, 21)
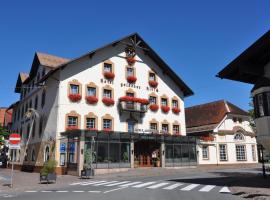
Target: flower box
point(131, 79)
point(91, 129)
point(134, 99)
point(71, 128)
point(107, 130)
point(165, 109)
point(153, 83)
point(131, 60)
point(207, 138)
point(176, 133)
point(153, 107)
point(75, 97)
point(91, 99)
point(109, 75)
point(176, 110)
point(108, 101)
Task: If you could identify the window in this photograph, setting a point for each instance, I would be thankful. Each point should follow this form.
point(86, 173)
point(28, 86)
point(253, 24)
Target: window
point(240, 152)
point(91, 123)
point(260, 103)
point(74, 89)
point(43, 98)
point(91, 91)
point(107, 124)
point(107, 67)
point(72, 121)
point(47, 154)
point(176, 129)
point(107, 93)
point(36, 102)
point(164, 102)
point(222, 152)
point(174, 103)
point(130, 94)
point(253, 149)
point(40, 127)
point(33, 155)
point(130, 71)
point(131, 125)
point(205, 152)
point(153, 126)
point(165, 128)
point(152, 76)
point(26, 155)
point(152, 100)
point(239, 137)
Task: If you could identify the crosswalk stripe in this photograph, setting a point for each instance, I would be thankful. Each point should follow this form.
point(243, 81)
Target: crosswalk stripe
point(171, 187)
point(92, 182)
point(143, 184)
point(225, 190)
point(157, 185)
point(190, 187)
point(207, 188)
point(105, 183)
point(119, 183)
point(129, 184)
point(77, 183)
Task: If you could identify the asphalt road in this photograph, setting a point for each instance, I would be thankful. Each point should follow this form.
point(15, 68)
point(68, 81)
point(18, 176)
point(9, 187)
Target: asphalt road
point(193, 185)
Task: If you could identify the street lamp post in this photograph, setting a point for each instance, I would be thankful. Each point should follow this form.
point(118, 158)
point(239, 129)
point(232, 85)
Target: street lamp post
point(262, 157)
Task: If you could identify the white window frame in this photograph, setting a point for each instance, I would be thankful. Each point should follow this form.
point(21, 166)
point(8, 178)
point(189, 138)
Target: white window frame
point(223, 156)
point(107, 93)
point(107, 124)
point(72, 121)
point(46, 153)
point(90, 122)
point(205, 152)
point(240, 152)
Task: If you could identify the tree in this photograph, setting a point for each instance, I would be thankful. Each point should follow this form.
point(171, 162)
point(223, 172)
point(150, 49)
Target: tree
point(252, 116)
point(3, 134)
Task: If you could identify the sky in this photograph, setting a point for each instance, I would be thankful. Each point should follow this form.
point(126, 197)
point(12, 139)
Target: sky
point(196, 38)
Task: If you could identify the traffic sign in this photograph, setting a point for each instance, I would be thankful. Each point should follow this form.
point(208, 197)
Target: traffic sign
point(62, 147)
point(14, 141)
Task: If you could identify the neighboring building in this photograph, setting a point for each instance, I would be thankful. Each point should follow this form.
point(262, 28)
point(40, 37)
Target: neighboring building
point(6, 117)
point(122, 100)
point(253, 67)
point(224, 133)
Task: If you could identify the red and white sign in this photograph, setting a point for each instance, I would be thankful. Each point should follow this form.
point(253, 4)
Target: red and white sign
point(14, 141)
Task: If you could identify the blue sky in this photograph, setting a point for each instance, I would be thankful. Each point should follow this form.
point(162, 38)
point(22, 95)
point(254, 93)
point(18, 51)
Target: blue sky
point(196, 38)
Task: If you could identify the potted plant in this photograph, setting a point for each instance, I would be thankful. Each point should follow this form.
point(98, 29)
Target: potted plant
point(88, 170)
point(47, 173)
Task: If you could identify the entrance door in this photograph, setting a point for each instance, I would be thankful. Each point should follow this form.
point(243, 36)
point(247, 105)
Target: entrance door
point(146, 153)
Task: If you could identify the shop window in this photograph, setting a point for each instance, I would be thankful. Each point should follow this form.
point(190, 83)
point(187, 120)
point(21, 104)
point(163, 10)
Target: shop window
point(223, 152)
point(205, 152)
point(90, 123)
point(240, 152)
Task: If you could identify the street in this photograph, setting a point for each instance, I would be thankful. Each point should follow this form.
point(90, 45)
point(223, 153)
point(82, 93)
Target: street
point(157, 184)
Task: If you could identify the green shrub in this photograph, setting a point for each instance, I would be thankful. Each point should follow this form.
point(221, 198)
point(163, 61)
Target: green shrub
point(49, 167)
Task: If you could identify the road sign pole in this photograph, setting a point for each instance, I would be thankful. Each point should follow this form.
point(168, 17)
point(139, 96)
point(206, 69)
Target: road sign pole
point(12, 168)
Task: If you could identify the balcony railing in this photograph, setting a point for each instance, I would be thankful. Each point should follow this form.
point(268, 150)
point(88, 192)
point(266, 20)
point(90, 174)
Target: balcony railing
point(133, 107)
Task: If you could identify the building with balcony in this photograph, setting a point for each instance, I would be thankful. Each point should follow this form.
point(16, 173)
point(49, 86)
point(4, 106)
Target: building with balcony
point(121, 104)
point(253, 67)
point(224, 133)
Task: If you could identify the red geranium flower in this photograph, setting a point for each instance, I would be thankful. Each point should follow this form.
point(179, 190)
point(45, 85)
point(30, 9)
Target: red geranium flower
point(108, 101)
point(91, 99)
point(75, 97)
point(109, 75)
point(131, 60)
point(153, 83)
point(176, 110)
point(153, 107)
point(131, 79)
point(107, 130)
point(71, 128)
point(165, 109)
point(134, 99)
point(142, 101)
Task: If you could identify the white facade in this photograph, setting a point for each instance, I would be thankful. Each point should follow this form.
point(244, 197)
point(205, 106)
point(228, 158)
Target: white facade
point(224, 136)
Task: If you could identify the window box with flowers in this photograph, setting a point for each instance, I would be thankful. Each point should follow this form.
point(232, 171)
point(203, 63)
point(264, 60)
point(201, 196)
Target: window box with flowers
point(131, 79)
point(91, 129)
point(75, 97)
point(153, 83)
point(165, 109)
point(208, 138)
point(108, 101)
point(91, 99)
point(107, 130)
point(109, 75)
point(72, 128)
point(131, 60)
point(133, 104)
point(154, 107)
point(176, 110)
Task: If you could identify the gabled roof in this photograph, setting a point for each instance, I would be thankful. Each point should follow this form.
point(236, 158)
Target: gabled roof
point(148, 51)
point(210, 113)
point(50, 61)
point(22, 77)
point(248, 67)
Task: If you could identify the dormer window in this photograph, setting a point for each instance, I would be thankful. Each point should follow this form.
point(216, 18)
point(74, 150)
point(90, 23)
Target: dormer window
point(107, 67)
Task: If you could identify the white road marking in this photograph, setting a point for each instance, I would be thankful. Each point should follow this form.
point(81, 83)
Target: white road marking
point(171, 187)
point(225, 190)
point(207, 188)
point(78, 183)
point(113, 184)
point(190, 187)
point(114, 190)
point(30, 191)
point(129, 184)
point(94, 191)
point(92, 182)
point(77, 191)
point(157, 185)
point(46, 191)
point(106, 182)
point(61, 191)
point(143, 184)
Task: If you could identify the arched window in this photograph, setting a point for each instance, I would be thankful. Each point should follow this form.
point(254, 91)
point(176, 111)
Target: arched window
point(33, 155)
point(238, 136)
point(47, 154)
